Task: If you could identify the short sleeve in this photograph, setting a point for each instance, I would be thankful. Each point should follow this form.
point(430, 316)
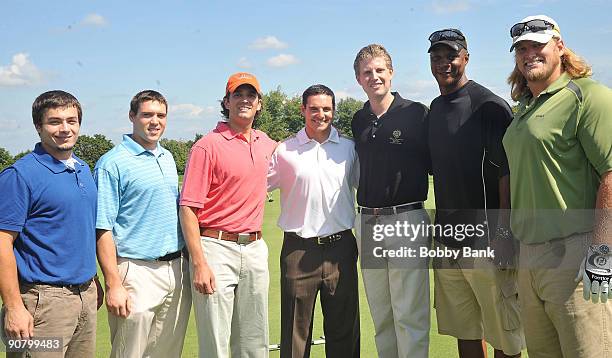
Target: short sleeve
point(109, 197)
point(497, 118)
point(15, 203)
point(197, 179)
point(274, 172)
point(595, 129)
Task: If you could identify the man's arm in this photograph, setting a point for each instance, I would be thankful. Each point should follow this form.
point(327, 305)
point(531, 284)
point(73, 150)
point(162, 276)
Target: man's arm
point(602, 234)
point(203, 277)
point(117, 297)
point(18, 322)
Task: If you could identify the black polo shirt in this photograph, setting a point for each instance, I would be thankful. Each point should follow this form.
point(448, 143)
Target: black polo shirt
point(393, 154)
point(466, 129)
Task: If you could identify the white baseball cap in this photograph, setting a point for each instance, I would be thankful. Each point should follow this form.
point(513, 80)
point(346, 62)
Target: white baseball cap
point(528, 29)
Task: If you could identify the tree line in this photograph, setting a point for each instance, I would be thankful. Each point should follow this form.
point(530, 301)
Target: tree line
point(279, 118)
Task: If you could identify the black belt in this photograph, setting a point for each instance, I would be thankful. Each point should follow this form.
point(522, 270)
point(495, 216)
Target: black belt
point(169, 257)
point(389, 210)
point(81, 286)
point(322, 240)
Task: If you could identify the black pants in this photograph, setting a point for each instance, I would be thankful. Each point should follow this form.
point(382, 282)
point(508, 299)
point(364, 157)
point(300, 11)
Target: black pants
point(306, 269)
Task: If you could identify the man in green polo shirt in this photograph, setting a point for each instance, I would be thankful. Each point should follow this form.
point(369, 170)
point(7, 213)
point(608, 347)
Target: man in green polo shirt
point(559, 149)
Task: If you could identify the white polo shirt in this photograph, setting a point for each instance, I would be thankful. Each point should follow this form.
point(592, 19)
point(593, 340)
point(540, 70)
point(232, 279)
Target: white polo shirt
point(317, 182)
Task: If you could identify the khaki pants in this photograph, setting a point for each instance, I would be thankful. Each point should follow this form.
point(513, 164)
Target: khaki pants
point(398, 292)
point(558, 321)
point(160, 292)
point(475, 300)
point(59, 312)
point(235, 317)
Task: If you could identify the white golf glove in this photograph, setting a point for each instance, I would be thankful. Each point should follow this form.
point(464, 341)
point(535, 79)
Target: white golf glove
point(596, 273)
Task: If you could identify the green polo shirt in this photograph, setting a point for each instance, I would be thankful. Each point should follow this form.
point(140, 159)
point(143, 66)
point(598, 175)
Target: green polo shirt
point(558, 147)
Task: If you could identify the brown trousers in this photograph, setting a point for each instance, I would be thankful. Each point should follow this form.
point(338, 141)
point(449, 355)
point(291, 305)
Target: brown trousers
point(59, 312)
point(306, 269)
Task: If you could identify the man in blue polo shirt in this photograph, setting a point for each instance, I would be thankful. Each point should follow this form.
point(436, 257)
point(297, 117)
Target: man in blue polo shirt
point(140, 243)
point(47, 237)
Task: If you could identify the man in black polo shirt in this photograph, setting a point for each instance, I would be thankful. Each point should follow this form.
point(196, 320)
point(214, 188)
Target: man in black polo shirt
point(391, 140)
point(474, 300)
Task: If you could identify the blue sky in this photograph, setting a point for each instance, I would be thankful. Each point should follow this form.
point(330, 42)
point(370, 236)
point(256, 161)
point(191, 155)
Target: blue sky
point(105, 52)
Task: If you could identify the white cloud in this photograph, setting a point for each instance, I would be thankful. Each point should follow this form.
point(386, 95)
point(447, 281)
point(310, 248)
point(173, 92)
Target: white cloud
point(243, 62)
point(20, 72)
point(268, 42)
point(282, 60)
point(190, 110)
point(419, 90)
point(450, 7)
point(94, 20)
point(9, 124)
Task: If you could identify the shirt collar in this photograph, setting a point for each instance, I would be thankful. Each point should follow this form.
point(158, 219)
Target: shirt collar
point(394, 104)
point(136, 149)
point(302, 137)
point(553, 88)
point(46, 159)
point(226, 131)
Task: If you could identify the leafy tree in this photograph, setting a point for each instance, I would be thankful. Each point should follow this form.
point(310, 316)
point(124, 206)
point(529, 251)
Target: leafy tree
point(345, 109)
point(179, 150)
point(90, 149)
point(6, 158)
point(22, 154)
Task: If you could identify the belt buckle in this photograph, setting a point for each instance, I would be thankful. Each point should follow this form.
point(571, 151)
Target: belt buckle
point(244, 238)
point(319, 240)
point(376, 211)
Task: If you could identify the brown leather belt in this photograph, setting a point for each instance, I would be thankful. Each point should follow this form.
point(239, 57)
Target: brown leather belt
point(240, 238)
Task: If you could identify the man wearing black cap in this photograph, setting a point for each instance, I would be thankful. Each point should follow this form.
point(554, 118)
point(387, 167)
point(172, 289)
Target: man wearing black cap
point(474, 300)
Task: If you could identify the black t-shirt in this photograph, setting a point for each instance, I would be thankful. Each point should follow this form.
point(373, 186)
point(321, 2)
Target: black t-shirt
point(393, 154)
point(466, 129)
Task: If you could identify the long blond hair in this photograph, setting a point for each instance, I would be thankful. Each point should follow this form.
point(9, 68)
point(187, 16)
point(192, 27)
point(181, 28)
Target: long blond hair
point(571, 63)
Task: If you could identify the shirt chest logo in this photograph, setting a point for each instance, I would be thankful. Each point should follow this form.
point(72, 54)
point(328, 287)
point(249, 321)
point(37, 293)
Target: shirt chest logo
point(395, 138)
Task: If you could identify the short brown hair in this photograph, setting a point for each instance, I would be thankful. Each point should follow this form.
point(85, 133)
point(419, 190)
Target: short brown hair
point(145, 96)
point(51, 100)
point(369, 52)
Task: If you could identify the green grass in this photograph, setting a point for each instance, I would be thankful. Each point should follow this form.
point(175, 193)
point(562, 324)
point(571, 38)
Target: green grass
point(440, 346)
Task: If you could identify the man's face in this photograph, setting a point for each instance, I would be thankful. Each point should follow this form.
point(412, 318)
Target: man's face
point(375, 77)
point(59, 130)
point(448, 65)
point(149, 123)
point(537, 61)
point(243, 104)
point(318, 114)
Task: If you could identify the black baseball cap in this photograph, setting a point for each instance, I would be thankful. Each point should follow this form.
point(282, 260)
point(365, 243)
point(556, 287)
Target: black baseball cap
point(449, 37)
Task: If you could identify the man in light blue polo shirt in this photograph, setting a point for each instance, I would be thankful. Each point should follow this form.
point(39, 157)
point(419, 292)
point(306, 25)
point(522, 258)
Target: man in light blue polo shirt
point(48, 240)
point(140, 243)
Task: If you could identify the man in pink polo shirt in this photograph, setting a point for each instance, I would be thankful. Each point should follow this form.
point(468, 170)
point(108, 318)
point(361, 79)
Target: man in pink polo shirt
point(221, 212)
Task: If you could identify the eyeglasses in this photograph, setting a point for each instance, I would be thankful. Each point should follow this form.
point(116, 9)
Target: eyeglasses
point(530, 26)
point(448, 34)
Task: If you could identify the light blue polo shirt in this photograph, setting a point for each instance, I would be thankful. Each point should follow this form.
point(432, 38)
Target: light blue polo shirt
point(138, 200)
point(53, 210)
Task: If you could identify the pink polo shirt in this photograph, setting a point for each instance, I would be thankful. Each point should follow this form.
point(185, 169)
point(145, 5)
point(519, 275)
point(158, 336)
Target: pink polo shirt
point(225, 178)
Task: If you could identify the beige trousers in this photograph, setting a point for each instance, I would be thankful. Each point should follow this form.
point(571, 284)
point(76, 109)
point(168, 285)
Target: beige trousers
point(161, 304)
point(558, 321)
point(235, 317)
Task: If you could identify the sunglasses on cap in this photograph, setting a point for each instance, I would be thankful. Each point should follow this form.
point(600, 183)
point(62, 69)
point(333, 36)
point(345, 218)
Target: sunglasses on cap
point(530, 26)
point(448, 35)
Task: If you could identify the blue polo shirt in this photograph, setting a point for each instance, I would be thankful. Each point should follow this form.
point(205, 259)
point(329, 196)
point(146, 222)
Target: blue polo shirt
point(53, 210)
point(138, 200)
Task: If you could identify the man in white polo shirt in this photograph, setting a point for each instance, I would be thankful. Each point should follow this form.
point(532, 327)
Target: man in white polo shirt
point(316, 171)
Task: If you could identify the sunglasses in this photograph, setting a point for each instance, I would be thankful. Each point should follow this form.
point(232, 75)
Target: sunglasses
point(530, 26)
point(449, 35)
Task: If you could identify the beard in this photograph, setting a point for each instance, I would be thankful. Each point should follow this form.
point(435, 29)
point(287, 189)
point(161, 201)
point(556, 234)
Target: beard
point(544, 72)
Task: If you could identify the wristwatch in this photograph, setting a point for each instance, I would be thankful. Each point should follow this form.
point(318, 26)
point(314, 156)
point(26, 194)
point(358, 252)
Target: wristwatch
point(502, 233)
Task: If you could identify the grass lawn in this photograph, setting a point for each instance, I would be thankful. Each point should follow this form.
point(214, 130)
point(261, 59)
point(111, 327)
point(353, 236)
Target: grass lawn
point(440, 346)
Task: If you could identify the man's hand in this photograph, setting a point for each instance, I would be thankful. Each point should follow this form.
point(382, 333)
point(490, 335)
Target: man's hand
point(18, 323)
point(505, 248)
point(204, 279)
point(596, 273)
point(118, 301)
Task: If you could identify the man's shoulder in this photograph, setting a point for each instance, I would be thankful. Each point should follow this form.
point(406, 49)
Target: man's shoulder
point(482, 97)
point(590, 88)
point(405, 104)
point(113, 157)
point(345, 139)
